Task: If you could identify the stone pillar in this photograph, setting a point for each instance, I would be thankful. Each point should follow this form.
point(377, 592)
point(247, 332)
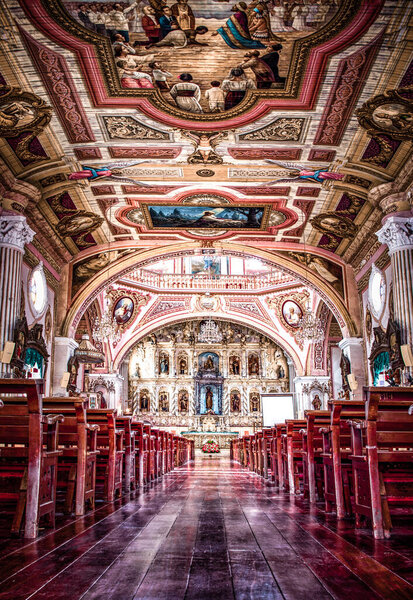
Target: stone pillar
point(397, 233)
point(64, 348)
point(14, 234)
point(353, 349)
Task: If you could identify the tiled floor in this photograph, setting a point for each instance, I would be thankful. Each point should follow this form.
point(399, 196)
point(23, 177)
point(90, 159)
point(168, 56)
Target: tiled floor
point(210, 530)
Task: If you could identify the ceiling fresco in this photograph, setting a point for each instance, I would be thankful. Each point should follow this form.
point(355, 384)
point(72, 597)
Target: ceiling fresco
point(116, 153)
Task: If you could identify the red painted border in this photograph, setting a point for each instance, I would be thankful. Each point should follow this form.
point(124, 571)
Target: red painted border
point(310, 85)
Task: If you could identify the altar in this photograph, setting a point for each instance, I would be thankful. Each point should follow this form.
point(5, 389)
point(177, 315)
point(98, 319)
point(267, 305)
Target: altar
point(211, 428)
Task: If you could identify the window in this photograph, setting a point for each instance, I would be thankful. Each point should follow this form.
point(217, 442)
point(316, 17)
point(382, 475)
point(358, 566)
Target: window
point(377, 292)
point(38, 291)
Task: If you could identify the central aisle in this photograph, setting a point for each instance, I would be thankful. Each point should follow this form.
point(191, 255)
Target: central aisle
point(209, 530)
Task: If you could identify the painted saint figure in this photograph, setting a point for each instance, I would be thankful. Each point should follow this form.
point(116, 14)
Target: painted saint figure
point(235, 32)
point(301, 172)
point(110, 171)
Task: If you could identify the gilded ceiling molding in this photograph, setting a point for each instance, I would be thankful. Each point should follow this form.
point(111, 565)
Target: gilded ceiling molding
point(23, 116)
point(110, 274)
point(263, 153)
point(144, 152)
point(349, 81)
point(55, 74)
point(16, 193)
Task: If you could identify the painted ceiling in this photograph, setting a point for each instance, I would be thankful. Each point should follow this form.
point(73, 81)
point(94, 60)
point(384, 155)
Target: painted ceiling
point(284, 156)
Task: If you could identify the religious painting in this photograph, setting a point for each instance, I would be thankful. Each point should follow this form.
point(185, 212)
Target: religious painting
point(144, 401)
point(164, 364)
point(390, 113)
point(202, 58)
point(291, 313)
point(163, 402)
point(253, 365)
point(171, 216)
point(183, 401)
point(368, 323)
point(209, 398)
point(327, 269)
point(206, 265)
point(254, 402)
point(234, 365)
point(235, 401)
point(209, 361)
point(123, 310)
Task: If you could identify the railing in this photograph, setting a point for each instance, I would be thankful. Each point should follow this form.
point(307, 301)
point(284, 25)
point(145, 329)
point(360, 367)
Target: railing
point(209, 282)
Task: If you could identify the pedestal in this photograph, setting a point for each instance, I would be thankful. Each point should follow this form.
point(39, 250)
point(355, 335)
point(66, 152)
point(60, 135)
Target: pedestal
point(352, 348)
point(64, 348)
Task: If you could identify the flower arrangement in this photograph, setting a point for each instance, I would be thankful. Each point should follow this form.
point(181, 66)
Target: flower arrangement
point(210, 447)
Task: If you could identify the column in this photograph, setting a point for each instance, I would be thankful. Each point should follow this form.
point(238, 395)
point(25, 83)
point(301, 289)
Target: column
point(352, 348)
point(397, 233)
point(14, 234)
point(64, 348)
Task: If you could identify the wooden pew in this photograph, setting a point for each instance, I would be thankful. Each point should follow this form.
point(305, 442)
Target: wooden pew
point(142, 451)
point(246, 451)
point(28, 454)
point(78, 442)
point(294, 454)
point(382, 458)
point(311, 449)
point(337, 469)
point(109, 465)
point(280, 472)
point(130, 466)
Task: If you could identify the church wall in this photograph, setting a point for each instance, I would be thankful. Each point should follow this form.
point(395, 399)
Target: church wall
point(377, 320)
point(46, 319)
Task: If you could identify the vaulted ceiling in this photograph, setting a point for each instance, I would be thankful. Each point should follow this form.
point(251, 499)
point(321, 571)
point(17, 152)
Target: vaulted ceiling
point(293, 166)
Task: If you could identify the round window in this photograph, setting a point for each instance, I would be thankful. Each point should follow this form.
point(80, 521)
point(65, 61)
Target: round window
point(38, 290)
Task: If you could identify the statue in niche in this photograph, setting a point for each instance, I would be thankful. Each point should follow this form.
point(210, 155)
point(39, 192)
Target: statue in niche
point(183, 401)
point(234, 365)
point(101, 400)
point(163, 402)
point(253, 365)
point(316, 403)
point(144, 401)
point(183, 366)
point(209, 364)
point(164, 364)
point(209, 397)
point(280, 372)
point(235, 401)
point(254, 403)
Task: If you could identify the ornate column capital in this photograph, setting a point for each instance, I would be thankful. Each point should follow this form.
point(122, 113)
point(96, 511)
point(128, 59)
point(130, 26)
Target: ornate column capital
point(397, 233)
point(14, 232)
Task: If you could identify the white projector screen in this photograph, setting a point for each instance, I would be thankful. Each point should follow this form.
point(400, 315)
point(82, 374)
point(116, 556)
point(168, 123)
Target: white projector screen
point(276, 408)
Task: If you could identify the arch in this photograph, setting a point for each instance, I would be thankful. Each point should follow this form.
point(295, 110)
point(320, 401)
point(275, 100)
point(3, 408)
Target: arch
point(112, 272)
point(238, 319)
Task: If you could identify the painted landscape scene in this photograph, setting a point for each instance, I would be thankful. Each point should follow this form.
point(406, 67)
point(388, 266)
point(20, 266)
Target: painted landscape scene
point(205, 217)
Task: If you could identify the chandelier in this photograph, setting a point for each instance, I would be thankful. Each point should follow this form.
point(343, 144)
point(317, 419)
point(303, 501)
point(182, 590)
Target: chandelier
point(210, 332)
point(87, 353)
point(310, 329)
point(105, 329)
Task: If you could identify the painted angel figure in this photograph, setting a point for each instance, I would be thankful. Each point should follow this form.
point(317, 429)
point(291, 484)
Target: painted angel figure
point(297, 172)
point(110, 170)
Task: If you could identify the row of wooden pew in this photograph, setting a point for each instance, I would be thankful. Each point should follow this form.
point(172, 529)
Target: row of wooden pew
point(59, 448)
point(355, 459)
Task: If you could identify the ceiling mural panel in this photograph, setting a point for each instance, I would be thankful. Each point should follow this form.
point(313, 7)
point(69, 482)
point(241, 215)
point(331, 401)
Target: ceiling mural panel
point(187, 55)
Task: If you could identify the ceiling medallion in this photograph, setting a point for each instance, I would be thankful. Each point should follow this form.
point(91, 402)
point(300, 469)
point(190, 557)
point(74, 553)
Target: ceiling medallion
point(205, 173)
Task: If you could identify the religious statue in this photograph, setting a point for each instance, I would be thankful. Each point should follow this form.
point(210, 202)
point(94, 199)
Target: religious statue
point(183, 401)
point(209, 364)
point(164, 364)
point(254, 403)
point(253, 365)
point(144, 402)
point(163, 402)
point(235, 402)
point(209, 398)
point(183, 366)
point(316, 403)
point(235, 365)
